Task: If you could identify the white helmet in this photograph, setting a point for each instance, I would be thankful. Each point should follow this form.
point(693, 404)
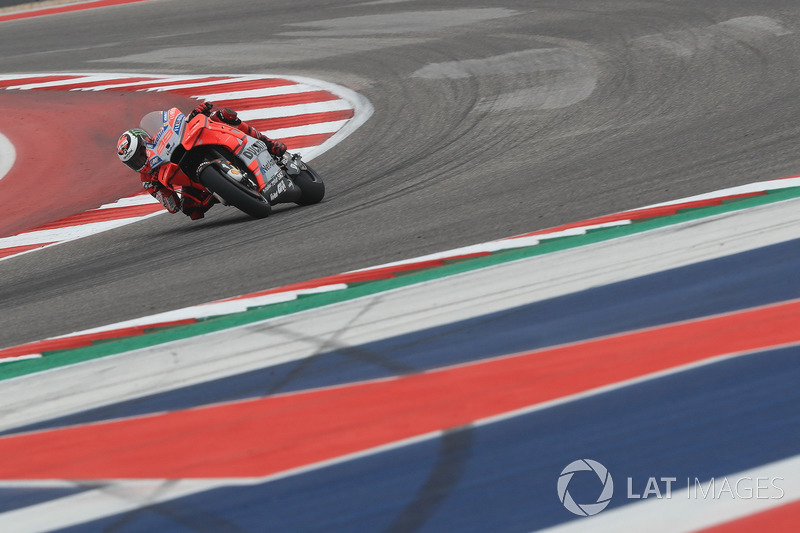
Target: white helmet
point(131, 148)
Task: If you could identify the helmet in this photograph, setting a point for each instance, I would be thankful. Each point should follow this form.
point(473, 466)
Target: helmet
point(131, 148)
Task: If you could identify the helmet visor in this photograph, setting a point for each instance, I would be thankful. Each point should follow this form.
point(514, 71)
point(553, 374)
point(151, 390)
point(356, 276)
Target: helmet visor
point(139, 158)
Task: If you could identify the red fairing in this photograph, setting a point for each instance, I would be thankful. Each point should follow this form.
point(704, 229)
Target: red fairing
point(170, 175)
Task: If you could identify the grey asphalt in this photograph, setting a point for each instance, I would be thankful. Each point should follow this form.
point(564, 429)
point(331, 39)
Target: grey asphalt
point(9, 3)
point(489, 122)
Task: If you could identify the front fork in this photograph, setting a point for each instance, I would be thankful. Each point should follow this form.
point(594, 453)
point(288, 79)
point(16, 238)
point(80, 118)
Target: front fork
point(285, 190)
point(292, 163)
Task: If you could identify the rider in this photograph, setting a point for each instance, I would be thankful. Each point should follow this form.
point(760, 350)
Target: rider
point(132, 150)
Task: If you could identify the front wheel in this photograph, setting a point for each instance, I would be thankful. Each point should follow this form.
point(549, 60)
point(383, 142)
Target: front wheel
point(234, 193)
point(311, 186)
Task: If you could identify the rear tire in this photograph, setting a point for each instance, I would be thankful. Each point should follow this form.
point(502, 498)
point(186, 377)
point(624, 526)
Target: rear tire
point(311, 186)
point(234, 193)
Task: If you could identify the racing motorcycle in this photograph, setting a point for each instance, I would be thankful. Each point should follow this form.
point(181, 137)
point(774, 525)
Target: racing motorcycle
point(237, 169)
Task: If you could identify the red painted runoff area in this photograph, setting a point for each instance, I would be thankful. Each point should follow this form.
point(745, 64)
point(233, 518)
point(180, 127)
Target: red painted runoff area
point(65, 9)
point(234, 85)
point(7, 252)
point(103, 215)
point(14, 82)
point(300, 120)
point(65, 143)
point(280, 433)
point(78, 341)
point(783, 519)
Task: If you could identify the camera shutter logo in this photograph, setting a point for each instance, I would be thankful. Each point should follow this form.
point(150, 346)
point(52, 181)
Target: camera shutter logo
point(585, 509)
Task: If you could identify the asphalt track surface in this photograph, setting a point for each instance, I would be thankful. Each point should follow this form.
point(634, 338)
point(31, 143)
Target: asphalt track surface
point(490, 121)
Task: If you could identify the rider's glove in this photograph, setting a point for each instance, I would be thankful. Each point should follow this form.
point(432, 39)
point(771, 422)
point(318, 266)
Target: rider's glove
point(203, 109)
point(276, 148)
point(228, 116)
point(169, 199)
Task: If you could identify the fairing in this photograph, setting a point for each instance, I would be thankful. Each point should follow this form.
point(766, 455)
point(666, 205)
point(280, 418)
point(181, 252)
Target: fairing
point(166, 129)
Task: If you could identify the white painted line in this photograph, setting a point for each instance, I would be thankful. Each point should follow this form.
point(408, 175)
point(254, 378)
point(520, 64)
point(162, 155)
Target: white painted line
point(259, 93)
point(66, 233)
point(760, 186)
point(39, 483)
point(231, 79)
point(155, 79)
point(5, 77)
point(95, 504)
point(20, 358)
point(42, 236)
point(139, 199)
point(362, 110)
point(8, 155)
point(80, 79)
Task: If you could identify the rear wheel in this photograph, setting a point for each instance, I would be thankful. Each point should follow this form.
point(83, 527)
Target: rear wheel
point(313, 190)
point(234, 193)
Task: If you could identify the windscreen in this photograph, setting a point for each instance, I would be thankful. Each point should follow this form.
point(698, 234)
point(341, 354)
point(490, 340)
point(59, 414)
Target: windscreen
point(152, 123)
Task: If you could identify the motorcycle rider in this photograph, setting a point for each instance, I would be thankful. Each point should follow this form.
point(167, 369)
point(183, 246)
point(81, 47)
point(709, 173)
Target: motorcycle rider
point(193, 202)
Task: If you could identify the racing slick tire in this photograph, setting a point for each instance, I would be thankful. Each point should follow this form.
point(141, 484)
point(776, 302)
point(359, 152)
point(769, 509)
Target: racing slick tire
point(311, 186)
point(234, 193)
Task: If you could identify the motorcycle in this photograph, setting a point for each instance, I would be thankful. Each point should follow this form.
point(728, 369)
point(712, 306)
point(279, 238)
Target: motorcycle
point(236, 169)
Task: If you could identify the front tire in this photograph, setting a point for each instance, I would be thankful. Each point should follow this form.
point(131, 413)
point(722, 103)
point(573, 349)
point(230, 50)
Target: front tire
point(311, 186)
point(234, 193)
